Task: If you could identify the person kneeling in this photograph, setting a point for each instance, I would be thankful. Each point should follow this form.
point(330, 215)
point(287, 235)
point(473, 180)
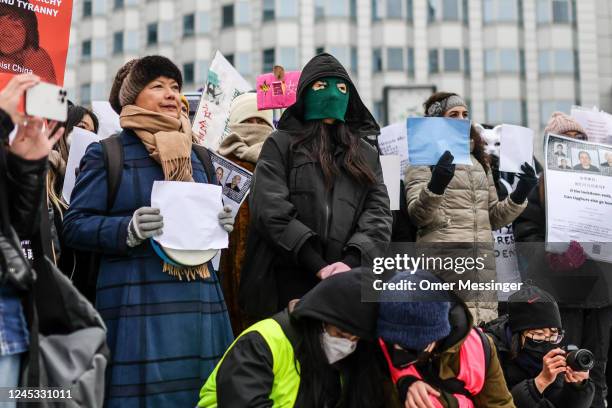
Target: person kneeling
point(436, 357)
point(527, 341)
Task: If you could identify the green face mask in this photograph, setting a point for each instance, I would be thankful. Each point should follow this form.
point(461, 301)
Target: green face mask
point(328, 99)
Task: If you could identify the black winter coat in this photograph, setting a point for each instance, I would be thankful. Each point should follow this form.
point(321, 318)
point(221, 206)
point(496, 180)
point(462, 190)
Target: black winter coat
point(524, 392)
point(299, 226)
point(589, 286)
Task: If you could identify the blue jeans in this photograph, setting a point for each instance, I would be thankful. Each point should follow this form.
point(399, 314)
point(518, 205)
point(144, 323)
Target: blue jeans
point(9, 374)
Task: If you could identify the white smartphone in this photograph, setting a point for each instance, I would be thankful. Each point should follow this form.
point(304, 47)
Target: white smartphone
point(47, 101)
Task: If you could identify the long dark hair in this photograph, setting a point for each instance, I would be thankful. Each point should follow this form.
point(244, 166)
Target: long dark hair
point(28, 20)
point(362, 375)
point(318, 138)
point(479, 145)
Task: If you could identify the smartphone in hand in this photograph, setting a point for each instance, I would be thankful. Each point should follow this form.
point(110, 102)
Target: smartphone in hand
point(47, 101)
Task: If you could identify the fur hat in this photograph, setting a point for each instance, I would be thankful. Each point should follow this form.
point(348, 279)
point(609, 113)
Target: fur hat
point(136, 74)
point(245, 106)
point(560, 124)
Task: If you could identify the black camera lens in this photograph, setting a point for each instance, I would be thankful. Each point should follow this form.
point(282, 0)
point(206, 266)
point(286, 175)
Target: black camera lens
point(579, 359)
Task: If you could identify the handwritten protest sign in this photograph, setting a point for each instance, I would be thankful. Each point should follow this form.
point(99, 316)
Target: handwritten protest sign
point(224, 83)
point(393, 140)
point(274, 92)
point(34, 38)
point(597, 124)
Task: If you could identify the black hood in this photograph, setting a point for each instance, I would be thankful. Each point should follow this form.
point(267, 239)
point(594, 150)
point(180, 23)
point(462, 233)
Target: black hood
point(499, 331)
point(358, 118)
point(337, 301)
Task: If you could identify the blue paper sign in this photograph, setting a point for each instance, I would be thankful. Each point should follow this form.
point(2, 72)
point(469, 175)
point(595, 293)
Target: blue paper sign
point(429, 138)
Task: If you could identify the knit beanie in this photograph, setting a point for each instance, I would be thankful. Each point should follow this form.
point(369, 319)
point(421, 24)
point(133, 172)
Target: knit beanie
point(136, 74)
point(245, 107)
point(532, 308)
point(414, 318)
point(560, 124)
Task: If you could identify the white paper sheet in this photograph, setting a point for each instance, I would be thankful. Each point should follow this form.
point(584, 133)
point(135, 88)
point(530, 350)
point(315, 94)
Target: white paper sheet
point(597, 125)
point(391, 174)
point(80, 140)
point(516, 148)
point(190, 212)
point(393, 140)
point(107, 118)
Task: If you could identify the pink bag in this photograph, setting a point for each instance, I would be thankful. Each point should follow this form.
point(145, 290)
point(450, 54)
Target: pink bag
point(278, 89)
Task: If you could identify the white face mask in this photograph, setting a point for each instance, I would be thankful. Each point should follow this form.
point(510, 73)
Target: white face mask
point(492, 140)
point(336, 348)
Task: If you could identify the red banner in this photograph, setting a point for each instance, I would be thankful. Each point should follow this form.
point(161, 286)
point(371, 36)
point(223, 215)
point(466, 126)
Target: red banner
point(34, 37)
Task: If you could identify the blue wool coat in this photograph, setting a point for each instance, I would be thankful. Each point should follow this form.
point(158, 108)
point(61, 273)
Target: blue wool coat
point(165, 335)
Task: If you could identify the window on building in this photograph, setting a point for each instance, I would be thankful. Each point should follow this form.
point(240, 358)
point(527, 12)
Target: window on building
point(432, 10)
point(353, 9)
point(189, 72)
point(490, 61)
point(203, 22)
point(409, 10)
point(434, 62)
point(375, 10)
point(288, 58)
point(500, 11)
point(504, 111)
point(556, 62)
point(87, 8)
point(243, 12)
point(288, 8)
point(319, 8)
point(467, 65)
point(377, 64)
point(85, 94)
point(227, 16)
point(452, 60)
point(547, 108)
point(230, 58)
point(465, 12)
point(394, 8)
point(86, 49)
point(118, 42)
point(118, 4)
point(337, 8)
point(395, 59)
point(561, 11)
point(509, 60)
point(243, 63)
point(450, 10)
point(410, 64)
point(268, 10)
point(152, 34)
point(188, 25)
point(554, 11)
point(354, 60)
point(268, 60)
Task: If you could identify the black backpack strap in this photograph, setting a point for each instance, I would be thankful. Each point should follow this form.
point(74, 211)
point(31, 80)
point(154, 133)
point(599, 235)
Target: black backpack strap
point(112, 149)
point(204, 157)
point(486, 345)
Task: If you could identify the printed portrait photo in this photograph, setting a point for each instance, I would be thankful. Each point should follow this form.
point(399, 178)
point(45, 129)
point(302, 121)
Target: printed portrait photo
point(585, 160)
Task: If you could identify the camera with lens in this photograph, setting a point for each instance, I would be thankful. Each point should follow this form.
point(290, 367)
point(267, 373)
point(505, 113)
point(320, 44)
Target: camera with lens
point(578, 359)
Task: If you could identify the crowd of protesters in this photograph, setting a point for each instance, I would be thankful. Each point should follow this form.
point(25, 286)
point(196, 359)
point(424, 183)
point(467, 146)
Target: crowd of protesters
point(282, 321)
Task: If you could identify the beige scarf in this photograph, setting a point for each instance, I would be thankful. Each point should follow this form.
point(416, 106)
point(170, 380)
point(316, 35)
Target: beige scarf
point(245, 141)
point(168, 141)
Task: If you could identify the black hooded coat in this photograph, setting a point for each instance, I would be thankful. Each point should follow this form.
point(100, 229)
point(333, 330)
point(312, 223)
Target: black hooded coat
point(298, 225)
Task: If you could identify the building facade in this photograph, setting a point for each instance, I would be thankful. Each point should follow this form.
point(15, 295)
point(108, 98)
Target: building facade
point(515, 61)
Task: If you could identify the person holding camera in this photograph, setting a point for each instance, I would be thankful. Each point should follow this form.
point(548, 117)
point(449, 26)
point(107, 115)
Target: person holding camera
point(538, 371)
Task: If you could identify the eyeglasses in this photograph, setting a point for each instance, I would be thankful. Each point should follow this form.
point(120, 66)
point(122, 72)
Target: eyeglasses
point(554, 338)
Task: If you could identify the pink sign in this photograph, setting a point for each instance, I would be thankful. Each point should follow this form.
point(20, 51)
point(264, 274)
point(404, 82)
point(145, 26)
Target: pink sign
point(277, 93)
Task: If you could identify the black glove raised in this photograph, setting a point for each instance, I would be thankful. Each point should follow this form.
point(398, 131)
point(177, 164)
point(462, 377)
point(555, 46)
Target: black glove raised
point(527, 181)
point(442, 174)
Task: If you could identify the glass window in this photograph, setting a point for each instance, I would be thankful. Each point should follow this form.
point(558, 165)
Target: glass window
point(508, 10)
point(288, 58)
point(86, 49)
point(99, 7)
point(377, 60)
point(166, 33)
point(411, 61)
point(354, 60)
point(394, 8)
point(319, 8)
point(467, 66)
point(152, 34)
point(288, 8)
point(268, 60)
point(118, 4)
point(243, 63)
point(548, 107)
point(375, 10)
point(189, 25)
point(353, 9)
point(543, 11)
point(490, 63)
point(202, 71)
point(189, 72)
point(243, 12)
point(85, 93)
point(564, 61)
point(203, 22)
point(395, 59)
point(504, 111)
point(561, 11)
point(337, 8)
point(452, 62)
point(228, 16)
point(434, 63)
point(432, 10)
point(409, 10)
point(508, 60)
point(341, 53)
point(268, 10)
point(466, 12)
point(87, 8)
point(488, 11)
point(544, 66)
point(132, 40)
point(450, 11)
point(118, 42)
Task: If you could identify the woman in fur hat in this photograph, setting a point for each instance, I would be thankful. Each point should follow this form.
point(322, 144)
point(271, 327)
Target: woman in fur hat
point(166, 332)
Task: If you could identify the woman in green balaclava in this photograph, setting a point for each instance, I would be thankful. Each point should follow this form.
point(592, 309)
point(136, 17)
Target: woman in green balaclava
point(318, 203)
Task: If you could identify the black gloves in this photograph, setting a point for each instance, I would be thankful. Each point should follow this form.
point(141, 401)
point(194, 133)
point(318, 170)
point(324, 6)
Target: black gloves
point(442, 174)
point(527, 181)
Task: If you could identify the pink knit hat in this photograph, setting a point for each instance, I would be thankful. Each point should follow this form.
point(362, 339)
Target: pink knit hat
point(560, 124)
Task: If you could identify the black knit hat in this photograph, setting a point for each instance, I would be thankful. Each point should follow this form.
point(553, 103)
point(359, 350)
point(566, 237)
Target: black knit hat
point(532, 308)
point(136, 74)
point(337, 300)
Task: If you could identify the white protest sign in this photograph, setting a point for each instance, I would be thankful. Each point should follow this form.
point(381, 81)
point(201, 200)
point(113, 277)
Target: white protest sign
point(391, 174)
point(506, 264)
point(224, 83)
point(578, 196)
point(107, 118)
point(516, 148)
point(190, 212)
point(597, 125)
point(80, 140)
point(393, 140)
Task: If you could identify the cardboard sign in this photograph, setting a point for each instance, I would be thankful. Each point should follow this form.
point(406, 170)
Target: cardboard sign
point(34, 37)
point(277, 90)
